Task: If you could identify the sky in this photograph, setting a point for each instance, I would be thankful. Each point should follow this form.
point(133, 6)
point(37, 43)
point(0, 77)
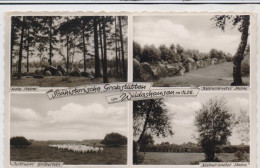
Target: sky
point(183, 110)
point(190, 31)
point(82, 117)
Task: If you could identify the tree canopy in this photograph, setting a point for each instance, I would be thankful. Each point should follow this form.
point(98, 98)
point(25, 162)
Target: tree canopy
point(151, 116)
point(19, 142)
point(114, 140)
point(214, 125)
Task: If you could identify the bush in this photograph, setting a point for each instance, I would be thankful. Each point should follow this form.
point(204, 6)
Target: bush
point(114, 140)
point(19, 142)
point(241, 156)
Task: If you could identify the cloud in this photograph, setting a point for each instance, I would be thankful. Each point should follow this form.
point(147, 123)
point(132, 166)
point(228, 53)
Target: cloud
point(157, 31)
point(24, 114)
point(71, 121)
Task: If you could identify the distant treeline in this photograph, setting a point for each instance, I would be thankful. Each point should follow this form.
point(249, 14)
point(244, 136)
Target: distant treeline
point(64, 37)
point(175, 54)
point(192, 148)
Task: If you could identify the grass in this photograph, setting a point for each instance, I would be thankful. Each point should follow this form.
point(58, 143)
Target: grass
point(41, 152)
point(163, 158)
point(59, 81)
point(215, 75)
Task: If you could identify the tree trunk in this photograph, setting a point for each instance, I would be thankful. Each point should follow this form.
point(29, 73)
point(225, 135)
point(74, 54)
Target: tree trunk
point(19, 76)
point(12, 47)
point(116, 48)
point(119, 60)
point(97, 66)
point(105, 78)
point(67, 39)
point(50, 40)
point(239, 56)
point(100, 39)
point(145, 123)
point(28, 46)
point(122, 48)
point(84, 50)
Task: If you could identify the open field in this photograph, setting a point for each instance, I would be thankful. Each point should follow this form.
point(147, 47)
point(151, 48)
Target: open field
point(215, 75)
point(41, 152)
point(162, 158)
point(59, 81)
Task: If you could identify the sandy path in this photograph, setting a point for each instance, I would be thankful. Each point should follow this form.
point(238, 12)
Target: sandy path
point(215, 75)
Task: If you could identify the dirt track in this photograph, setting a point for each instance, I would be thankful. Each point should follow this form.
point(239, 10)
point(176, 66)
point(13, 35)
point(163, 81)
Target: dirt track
point(214, 75)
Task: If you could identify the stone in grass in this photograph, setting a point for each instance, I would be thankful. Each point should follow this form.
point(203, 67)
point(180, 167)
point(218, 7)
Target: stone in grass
point(47, 73)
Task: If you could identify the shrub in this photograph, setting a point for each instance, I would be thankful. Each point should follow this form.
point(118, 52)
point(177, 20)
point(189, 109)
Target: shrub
point(114, 140)
point(241, 156)
point(19, 142)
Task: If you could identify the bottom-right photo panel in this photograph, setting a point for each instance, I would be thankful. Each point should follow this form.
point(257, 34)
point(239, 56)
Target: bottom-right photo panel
point(211, 127)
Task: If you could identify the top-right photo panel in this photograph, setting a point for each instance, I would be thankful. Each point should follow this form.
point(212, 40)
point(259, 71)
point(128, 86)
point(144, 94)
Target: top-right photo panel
point(192, 50)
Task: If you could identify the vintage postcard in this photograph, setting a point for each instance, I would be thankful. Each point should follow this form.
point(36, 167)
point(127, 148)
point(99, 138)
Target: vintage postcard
point(130, 89)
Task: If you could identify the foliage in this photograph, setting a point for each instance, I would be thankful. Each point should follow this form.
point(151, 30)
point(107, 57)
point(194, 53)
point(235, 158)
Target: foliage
point(151, 115)
point(19, 142)
point(217, 54)
point(214, 125)
point(150, 54)
point(137, 50)
point(67, 37)
point(241, 156)
point(114, 140)
point(242, 22)
point(242, 125)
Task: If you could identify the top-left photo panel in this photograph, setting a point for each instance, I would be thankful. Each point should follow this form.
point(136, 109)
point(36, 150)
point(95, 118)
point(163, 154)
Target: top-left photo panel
point(67, 51)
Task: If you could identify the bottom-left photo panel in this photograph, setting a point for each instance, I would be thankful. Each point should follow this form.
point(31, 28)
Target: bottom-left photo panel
point(75, 130)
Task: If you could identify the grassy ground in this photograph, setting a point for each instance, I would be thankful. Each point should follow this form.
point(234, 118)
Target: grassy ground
point(59, 81)
point(215, 75)
point(41, 152)
point(160, 158)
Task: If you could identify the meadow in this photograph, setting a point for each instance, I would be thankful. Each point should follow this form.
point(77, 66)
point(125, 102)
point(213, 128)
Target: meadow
point(165, 158)
point(41, 152)
point(59, 81)
point(217, 75)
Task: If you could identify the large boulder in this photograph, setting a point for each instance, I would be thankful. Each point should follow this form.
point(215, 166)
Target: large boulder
point(214, 61)
point(38, 72)
point(86, 74)
point(146, 72)
point(189, 59)
point(76, 69)
point(75, 73)
point(136, 69)
point(52, 70)
point(191, 66)
point(163, 71)
point(199, 64)
point(47, 73)
point(61, 69)
point(38, 76)
point(172, 69)
point(59, 73)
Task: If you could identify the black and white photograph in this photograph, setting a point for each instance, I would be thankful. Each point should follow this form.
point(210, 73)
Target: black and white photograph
point(192, 50)
point(67, 51)
point(212, 127)
point(76, 130)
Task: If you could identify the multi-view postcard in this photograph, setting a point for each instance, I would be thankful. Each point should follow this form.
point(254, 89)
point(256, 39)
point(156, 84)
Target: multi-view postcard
point(130, 89)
